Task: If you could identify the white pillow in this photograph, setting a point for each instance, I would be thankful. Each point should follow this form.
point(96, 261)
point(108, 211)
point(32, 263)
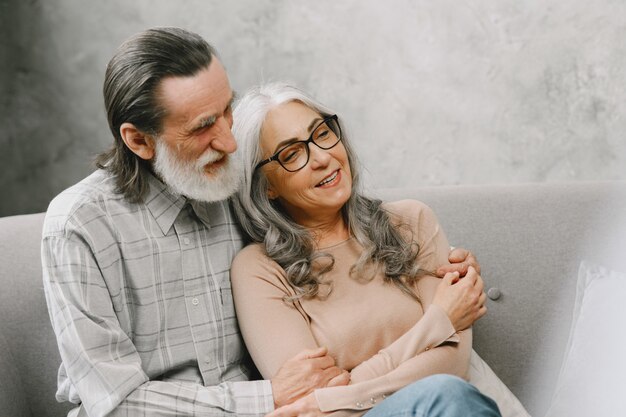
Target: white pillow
point(487, 382)
point(592, 381)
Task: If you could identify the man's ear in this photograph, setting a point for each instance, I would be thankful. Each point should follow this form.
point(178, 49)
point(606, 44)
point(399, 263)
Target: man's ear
point(140, 143)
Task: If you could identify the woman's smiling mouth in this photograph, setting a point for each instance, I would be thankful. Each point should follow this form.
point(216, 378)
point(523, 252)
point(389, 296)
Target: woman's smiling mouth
point(330, 180)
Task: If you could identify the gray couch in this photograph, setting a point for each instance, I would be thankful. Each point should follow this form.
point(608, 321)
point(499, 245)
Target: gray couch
point(528, 238)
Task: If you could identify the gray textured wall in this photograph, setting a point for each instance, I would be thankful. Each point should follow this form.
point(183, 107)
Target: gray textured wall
point(433, 92)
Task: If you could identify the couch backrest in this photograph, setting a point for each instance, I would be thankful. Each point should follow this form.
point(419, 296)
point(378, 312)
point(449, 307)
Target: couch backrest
point(29, 358)
point(529, 240)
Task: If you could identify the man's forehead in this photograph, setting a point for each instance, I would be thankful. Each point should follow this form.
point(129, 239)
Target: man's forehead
point(205, 93)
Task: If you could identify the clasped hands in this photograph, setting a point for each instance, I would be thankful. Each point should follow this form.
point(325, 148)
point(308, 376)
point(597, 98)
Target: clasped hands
point(461, 296)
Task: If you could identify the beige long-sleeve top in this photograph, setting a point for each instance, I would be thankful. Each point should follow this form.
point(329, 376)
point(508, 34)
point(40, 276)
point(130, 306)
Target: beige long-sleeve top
point(380, 334)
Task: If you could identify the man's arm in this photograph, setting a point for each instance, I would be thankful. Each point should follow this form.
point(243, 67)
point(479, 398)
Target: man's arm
point(460, 260)
point(104, 369)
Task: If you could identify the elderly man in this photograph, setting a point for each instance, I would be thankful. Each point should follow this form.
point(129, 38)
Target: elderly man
point(136, 256)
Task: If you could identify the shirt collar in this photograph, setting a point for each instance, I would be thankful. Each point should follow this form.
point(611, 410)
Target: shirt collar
point(165, 205)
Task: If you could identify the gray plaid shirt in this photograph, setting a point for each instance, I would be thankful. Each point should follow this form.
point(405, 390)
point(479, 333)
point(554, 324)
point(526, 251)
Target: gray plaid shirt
point(140, 300)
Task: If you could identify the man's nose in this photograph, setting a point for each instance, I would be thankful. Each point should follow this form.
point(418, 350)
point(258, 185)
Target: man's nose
point(224, 140)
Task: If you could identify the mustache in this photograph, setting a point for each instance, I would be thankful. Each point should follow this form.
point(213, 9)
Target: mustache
point(208, 157)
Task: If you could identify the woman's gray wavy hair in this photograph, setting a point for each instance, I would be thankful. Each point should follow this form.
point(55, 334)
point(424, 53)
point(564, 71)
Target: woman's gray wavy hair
point(292, 245)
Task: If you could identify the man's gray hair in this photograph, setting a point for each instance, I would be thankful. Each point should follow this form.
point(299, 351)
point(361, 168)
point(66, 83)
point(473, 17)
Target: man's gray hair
point(131, 86)
point(288, 243)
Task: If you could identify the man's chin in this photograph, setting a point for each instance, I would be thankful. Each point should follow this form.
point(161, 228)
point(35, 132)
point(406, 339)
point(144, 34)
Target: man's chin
point(211, 187)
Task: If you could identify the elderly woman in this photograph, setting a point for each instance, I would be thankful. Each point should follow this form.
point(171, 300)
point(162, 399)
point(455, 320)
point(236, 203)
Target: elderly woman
point(333, 268)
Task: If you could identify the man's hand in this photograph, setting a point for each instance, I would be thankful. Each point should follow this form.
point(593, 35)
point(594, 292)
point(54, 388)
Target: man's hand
point(304, 407)
point(300, 375)
point(460, 260)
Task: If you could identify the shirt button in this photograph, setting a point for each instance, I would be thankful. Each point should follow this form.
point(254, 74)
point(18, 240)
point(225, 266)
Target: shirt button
point(186, 240)
point(195, 301)
point(359, 405)
point(373, 400)
point(207, 360)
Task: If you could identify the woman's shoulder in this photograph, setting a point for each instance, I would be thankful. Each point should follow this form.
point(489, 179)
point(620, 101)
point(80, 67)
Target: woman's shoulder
point(252, 257)
point(253, 271)
point(251, 251)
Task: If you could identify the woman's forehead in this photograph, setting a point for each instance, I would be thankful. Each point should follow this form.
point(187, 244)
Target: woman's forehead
point(287, 121)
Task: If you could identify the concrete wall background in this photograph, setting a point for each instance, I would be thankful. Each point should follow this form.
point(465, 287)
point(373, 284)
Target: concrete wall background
point(445, 92)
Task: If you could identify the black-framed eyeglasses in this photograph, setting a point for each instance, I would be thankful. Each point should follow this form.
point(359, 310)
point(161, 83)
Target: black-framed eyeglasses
point(295, 155)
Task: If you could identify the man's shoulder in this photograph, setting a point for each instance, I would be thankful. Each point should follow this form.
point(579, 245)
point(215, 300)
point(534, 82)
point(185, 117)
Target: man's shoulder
point(81, 202)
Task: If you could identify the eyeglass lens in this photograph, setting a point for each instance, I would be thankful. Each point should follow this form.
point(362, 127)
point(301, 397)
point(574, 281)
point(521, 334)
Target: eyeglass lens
point(296, 155)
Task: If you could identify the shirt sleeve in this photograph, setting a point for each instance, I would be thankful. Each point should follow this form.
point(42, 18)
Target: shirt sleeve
point(432, 346)
point(273, 330)
point(447, 359)
point(102, 365)
point(434, 328)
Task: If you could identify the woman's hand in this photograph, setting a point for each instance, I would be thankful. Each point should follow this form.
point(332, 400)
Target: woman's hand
point(462, 299)
point(304, 407)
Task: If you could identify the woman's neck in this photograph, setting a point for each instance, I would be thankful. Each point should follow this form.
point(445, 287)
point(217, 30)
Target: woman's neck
point(329, 231)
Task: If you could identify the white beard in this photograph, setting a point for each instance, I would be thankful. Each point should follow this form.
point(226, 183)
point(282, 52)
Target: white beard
point(188, 178)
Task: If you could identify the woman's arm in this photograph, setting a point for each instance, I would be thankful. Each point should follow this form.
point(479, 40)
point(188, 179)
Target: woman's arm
point(447, 359)
point(274, 331)
point(434, 328)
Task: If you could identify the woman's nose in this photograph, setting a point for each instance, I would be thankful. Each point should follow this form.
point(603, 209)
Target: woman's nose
point(320, 158)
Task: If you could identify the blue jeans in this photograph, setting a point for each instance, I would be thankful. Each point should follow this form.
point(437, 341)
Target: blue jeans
point(437, 396)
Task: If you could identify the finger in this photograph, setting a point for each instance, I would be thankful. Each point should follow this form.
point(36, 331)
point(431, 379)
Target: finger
point(472, 261)
point(481, 312)
point(450, 278)
point(461, 268)
point(482, 299)
point(312, 353)
point(280, 412)
point(471, 277)
point(458, 255)
point(479, 285)
point(330, 373)
point(323, 362)
point(340, 380)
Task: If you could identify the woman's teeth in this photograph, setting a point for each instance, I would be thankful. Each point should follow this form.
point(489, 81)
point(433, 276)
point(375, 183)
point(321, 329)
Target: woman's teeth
point(328, 179)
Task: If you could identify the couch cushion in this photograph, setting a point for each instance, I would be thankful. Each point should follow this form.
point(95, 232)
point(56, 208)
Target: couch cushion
point(529, 240)
point(25, 325)
point(12, 399)
point(591, 382)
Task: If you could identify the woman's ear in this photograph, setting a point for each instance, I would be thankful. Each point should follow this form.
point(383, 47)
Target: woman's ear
point(137, 141)
point(271, 194)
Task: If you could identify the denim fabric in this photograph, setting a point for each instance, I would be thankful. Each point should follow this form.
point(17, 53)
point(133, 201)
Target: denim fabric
point(437, 396)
